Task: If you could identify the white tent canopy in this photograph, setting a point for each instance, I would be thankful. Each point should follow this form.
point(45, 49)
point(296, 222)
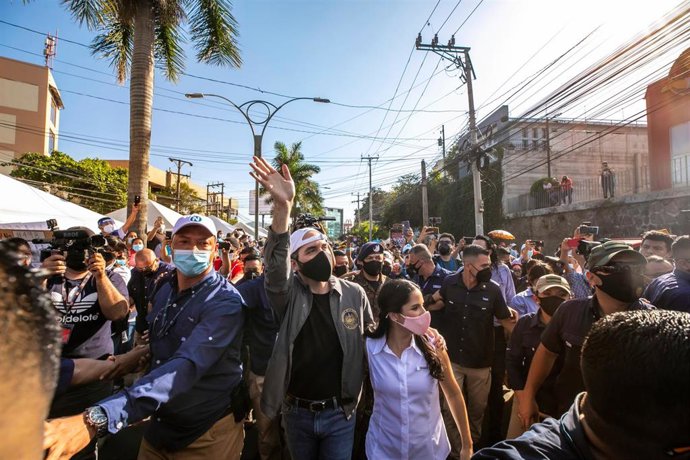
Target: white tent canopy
point(23, 207)
point(247, 224)
point(155, 210)
point(222, 225)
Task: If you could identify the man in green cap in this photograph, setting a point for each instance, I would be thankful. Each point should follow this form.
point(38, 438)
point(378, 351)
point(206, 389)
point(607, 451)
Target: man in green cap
point(615, 271)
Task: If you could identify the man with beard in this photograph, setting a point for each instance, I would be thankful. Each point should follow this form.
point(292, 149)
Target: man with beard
point(370, 277)
point(616, 272)
point(314, 377)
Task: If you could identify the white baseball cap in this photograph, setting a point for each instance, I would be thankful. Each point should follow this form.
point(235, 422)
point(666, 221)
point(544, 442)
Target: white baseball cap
point(301, 238)
point(195, 219)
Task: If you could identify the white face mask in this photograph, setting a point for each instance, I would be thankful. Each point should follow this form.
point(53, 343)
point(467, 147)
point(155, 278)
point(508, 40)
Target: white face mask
point(110, 228)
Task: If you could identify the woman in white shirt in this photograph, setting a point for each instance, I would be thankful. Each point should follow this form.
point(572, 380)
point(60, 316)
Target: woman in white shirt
point(406, 370)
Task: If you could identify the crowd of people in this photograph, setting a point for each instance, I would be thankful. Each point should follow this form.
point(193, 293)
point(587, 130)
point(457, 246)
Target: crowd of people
point(191, 343)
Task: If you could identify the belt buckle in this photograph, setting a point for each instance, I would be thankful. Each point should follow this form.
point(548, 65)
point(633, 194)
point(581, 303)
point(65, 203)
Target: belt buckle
point(317, 406)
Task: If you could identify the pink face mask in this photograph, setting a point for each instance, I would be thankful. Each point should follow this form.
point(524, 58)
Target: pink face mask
point(418, 325)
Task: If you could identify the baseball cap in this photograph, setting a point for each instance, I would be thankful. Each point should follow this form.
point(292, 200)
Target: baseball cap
point(368, 249)
point(195, 219)
point(601, 255)
point(550, 281)
point(301, 238)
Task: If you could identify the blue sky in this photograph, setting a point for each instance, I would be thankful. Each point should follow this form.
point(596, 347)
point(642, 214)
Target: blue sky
point(352, 52)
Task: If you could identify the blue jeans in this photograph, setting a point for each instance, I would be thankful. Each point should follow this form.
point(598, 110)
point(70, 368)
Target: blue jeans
point(324, 435)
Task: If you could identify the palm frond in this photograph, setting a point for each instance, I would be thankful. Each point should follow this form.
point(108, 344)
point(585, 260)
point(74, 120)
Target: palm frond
point(213, 29)
point(88, 12)
point(115, 44)
point(168, 50)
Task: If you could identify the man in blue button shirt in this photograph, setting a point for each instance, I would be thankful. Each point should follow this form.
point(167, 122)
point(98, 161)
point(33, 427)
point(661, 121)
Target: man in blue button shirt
point(672, 291)
point(195, 339)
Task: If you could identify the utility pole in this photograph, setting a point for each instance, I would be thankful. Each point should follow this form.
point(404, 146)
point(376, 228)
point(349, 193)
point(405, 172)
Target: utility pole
point(548, 148)
point(371, 202)
point(359, 221)
point(460, 56)
point(188, 176)
point(212, 197)
point(425, 200)
point(442, 142)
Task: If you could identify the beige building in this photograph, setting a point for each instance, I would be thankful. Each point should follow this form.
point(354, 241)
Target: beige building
point(30, 105)
point(159, 179)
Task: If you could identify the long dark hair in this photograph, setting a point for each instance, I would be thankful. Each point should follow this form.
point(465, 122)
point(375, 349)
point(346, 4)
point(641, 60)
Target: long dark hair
point(392, 296)
point(491, 246)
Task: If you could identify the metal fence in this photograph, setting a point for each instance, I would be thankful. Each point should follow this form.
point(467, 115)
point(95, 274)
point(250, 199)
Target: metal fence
point(680, 171)
point(626, 182)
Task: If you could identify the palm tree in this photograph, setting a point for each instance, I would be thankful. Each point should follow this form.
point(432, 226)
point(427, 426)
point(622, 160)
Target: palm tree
point(136, 35)
point(307, 194)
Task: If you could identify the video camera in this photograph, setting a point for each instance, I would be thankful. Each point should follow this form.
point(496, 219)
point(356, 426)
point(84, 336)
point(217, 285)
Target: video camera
point(72, 241)
point(307, 220)
point(584, 247)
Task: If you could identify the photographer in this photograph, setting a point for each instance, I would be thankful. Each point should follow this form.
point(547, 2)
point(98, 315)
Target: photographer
point(87, 298)
point(252, 268)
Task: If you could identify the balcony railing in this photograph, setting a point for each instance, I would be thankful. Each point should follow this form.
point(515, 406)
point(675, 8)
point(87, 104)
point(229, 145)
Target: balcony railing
point(626, 182)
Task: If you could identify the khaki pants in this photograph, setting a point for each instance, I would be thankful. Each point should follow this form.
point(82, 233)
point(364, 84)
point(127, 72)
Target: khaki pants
point(269, 430)
point(224, 440)
point(515, 428)
point(475, 384)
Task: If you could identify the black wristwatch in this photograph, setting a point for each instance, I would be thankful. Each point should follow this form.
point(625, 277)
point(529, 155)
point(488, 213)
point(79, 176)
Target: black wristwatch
point(96, 418)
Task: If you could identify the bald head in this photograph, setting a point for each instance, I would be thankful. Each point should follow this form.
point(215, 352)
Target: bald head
point(144, 258)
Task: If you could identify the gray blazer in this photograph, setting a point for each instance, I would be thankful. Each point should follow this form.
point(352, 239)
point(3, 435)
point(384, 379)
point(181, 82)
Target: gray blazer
point(291, 300)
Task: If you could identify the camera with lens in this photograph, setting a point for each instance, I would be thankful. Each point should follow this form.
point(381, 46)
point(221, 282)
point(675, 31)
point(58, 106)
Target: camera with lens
point(224, 245)
point(584, 247)
point(71, 242)
point(307, 220)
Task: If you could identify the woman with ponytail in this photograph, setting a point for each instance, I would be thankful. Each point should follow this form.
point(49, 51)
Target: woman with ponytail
point(406, 370)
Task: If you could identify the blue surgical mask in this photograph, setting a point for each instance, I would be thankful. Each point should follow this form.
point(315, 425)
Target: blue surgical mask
point(191, 262)
point(137, 247)
point(530, 253)
point(120, 262)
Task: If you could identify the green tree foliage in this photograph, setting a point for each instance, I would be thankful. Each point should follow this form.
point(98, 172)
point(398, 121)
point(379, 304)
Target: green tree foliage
point(378, 198)
point(307, 193)
point(190, 201)
point(448, 198)
point(361, 231)
point(90, 182)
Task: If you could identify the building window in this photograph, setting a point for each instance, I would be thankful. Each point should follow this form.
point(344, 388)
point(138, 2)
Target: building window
point(525, 138)
point(53, 112)
point(535, 133)
point(51, 142)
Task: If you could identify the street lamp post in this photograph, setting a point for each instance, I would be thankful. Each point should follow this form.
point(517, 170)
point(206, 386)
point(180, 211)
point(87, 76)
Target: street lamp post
point(254, 124)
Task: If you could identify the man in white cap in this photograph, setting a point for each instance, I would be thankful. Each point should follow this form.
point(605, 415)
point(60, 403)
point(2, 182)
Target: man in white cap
point(314, 377)
point(191, 390)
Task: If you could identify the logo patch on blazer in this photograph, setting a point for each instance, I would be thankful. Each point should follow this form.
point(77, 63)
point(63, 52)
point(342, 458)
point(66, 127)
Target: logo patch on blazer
point(350, 318)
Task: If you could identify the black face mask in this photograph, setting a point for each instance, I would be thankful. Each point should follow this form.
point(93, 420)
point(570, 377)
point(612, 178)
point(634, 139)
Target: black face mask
point(624, 286)
point(75, 261)
point(411, 270)
point(318, 268)
point(373, 267)
point(444, 249)
point(251, 274)
point(340, 270)
point(483, 276)
point(550, 304)
point(386, 270)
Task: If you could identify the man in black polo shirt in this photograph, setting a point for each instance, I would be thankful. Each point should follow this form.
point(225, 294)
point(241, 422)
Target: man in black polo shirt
point(148, 270)
point(636, 368)
point(616, 272)
point(471, 301)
